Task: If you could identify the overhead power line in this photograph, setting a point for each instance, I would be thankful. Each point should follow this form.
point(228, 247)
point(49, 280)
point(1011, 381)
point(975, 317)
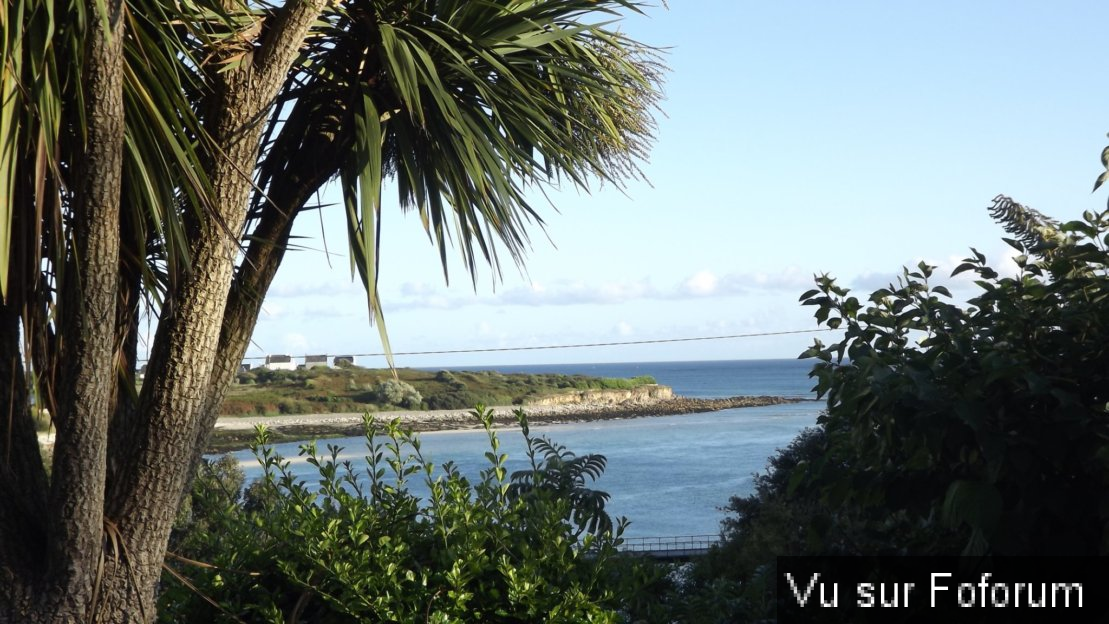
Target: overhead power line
point(577, 346)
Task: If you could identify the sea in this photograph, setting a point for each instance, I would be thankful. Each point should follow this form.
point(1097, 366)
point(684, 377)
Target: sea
point(668, 475)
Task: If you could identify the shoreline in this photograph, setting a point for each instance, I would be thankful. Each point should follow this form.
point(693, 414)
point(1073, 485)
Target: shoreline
point(236, 432)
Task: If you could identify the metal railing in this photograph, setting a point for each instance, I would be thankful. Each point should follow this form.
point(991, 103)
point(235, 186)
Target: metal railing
point(673, 547)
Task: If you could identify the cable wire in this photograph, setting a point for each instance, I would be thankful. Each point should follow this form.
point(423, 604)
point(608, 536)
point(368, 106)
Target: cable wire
point(576, 346)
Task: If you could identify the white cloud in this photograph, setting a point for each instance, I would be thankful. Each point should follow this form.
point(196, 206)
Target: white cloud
point(701, 284)
point(417, 289)
point(573, 293)
point(789, 280)
point(624, 329)
point(312, 289)
point(332, 311)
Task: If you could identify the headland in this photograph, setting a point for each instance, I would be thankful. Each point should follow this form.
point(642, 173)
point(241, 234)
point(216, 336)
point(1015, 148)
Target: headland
point(236, 432)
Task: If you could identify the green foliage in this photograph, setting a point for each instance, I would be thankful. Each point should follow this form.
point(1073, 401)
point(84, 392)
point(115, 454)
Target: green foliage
point(789, 514)
point(1029, 226)
point(609, 383)
point(354, 389)
point(361, 547)
point(557, 471)
point(216, 491)
point(453, 399)
point(988, 418)
point(396, 392)
point(976, 429)
point(472, 103)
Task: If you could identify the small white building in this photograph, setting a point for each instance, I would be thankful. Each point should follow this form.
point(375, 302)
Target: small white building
point(280, 362)
point(315, 361)
point(341, 360)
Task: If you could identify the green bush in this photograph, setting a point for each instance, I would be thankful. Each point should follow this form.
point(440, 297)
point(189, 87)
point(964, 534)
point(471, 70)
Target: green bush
point(452, 400)
point(975, 429)
point(396, 392)
point(217, 488)
point(534, 546)
point(989, 418)
point(609, 383)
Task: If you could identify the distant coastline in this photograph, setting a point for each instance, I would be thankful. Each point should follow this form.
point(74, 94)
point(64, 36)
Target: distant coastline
point(236, 432)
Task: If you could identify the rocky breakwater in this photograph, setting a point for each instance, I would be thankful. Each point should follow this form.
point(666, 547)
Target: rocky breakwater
point(642, 401)
point(639, 395)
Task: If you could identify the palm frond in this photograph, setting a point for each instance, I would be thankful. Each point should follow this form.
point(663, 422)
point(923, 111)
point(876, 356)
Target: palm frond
point(471, 105)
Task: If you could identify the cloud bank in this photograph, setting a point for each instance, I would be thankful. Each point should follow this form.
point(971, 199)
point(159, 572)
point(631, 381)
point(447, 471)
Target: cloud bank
point(703, 284)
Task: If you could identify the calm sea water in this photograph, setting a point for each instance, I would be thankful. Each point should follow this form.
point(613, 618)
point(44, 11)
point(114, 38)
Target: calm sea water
point(669, 475)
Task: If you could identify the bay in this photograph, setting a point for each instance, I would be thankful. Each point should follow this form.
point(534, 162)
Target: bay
point(669, 475)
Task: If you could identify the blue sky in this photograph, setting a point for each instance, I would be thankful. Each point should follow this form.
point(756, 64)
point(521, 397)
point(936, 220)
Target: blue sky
point(796, 138)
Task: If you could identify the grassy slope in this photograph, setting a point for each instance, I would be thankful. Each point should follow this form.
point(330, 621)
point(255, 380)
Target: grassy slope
point(355, 389)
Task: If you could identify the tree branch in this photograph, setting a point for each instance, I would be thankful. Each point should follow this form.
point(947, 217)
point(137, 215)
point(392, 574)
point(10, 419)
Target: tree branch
point(284, 38)
point(269, 240)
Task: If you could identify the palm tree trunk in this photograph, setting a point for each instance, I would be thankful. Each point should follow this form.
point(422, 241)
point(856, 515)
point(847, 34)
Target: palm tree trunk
point(62, 586)
point(105, 542)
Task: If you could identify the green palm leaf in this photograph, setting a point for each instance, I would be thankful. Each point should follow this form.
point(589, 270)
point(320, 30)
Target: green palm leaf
point(473, 103)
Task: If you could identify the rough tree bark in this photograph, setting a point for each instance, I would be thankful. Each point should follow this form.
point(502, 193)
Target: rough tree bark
point(99, 557)
point(60, 583)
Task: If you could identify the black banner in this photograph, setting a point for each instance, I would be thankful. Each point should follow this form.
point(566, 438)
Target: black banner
point(949, 590)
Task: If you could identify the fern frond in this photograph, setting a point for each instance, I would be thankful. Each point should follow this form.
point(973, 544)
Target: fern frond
point(1032, 228)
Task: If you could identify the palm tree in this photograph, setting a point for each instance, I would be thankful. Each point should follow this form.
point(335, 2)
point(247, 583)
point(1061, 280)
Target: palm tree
point(153, 158)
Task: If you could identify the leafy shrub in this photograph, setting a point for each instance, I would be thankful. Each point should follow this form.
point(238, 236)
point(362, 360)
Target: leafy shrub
point(531, 547)
point(452, 400)
point(976, 429)
point(609, 383)
point(216, 491)
point(994, 422)
point(396, 392)
point(265, 375)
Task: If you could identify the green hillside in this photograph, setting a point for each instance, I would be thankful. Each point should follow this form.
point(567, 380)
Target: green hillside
point(355, 389)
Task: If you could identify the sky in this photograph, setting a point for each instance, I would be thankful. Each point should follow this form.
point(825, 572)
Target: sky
point(794, 138)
